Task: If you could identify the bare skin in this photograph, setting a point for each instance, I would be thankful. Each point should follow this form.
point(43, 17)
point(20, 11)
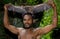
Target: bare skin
point(30, 33)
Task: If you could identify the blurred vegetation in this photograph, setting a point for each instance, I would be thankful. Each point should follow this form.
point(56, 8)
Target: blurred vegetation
point(47, 18)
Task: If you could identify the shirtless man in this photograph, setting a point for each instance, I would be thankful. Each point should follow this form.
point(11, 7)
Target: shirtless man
point(28, 32)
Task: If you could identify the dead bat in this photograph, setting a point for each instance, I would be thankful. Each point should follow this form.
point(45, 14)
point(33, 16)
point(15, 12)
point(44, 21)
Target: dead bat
point(29, 9)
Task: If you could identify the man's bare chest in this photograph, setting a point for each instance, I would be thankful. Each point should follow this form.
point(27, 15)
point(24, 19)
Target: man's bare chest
point(23, 34)
point(26, 35)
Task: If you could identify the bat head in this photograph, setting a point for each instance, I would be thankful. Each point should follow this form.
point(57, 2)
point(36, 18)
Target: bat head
point(29, 9)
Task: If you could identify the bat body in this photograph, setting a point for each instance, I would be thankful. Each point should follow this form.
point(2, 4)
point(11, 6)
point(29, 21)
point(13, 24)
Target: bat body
point(30, 9)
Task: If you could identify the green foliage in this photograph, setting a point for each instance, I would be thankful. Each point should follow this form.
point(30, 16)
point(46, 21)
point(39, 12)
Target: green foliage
point(32, 2)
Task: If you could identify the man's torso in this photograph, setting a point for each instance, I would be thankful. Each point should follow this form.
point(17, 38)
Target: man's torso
point(23, 34)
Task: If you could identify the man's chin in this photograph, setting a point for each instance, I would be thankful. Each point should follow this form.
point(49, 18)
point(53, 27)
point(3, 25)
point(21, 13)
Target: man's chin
point(27, 27)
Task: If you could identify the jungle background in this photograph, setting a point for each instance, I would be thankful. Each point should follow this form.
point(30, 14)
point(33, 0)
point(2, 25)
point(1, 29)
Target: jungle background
point(54, 34)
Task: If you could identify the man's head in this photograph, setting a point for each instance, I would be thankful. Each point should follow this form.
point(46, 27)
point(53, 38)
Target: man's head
point(27, 20)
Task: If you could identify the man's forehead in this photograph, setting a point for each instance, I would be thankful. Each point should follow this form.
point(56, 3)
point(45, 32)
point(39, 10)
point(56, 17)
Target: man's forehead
point(27, 16)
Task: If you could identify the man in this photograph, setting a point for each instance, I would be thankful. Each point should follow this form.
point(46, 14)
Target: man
point(28, 32)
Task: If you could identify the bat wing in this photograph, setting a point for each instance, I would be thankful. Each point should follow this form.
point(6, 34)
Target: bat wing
point(18, 9)
point(41, 8)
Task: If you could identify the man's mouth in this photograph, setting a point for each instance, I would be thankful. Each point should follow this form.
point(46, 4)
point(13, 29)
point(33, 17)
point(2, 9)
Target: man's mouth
point(27, 25)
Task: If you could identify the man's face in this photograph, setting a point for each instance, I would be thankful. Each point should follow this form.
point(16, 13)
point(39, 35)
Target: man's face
point(27, 21)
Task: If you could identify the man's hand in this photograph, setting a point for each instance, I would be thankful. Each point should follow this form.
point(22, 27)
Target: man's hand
point(51, 2)
point(6, 6)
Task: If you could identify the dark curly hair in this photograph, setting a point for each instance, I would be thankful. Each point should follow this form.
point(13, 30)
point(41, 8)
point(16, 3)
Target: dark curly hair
point(27, 14)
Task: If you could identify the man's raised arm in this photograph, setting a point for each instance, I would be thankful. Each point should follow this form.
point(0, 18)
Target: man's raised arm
point(54, 18)
point(7, 23)
point(53, 25)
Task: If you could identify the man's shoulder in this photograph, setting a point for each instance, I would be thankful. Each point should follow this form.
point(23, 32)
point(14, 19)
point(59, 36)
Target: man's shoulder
point(39, 28)
point(20, 28)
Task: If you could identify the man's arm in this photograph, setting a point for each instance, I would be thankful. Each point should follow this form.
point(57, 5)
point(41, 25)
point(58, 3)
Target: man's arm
point(53, 25)
point(7, 23)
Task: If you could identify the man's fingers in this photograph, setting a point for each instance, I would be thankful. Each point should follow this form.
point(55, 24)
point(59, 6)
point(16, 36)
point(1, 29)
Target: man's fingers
point(51, 2)
point(7, 5)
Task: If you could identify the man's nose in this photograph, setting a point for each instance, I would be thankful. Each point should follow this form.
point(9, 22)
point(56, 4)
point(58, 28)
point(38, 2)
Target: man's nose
point(26, 21)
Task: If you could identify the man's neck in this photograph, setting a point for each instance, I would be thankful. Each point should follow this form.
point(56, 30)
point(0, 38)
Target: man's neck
point(29, 30)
